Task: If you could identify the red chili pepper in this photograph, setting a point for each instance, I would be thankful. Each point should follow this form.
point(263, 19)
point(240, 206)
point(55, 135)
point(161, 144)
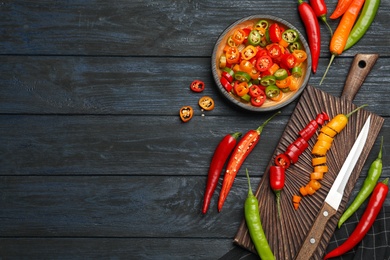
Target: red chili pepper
point(313, 32)
point(293, 153)
point(321, 118)
point(197, 86)
point(309, 130)
point(276, 180)
point(319, 8)
point(226, 84)
point(372, 210)
point(282, 160)
point(241, 151)
point(221, 154)
point(275, 34)
point(301, 143)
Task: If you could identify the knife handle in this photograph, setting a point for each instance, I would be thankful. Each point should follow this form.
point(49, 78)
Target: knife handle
point(361, 66)
point(314, 236)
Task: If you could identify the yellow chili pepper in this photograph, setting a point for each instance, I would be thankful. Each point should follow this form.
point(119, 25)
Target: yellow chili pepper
point(340, 121)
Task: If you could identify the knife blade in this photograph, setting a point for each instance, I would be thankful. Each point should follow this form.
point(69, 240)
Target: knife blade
point(334, 197)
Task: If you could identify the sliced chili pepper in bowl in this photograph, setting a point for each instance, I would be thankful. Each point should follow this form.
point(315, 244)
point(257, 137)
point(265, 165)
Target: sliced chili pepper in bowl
point(275, 33)
point(272, 91)
point(258, 101)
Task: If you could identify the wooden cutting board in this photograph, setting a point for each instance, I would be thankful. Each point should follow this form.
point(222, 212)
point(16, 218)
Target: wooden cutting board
point(286, 235)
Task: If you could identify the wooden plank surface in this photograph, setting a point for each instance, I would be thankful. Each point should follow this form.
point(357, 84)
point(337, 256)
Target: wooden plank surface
point(94, 160)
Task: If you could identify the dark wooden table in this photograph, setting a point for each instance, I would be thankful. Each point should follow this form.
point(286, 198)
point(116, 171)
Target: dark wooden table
point(94, 160)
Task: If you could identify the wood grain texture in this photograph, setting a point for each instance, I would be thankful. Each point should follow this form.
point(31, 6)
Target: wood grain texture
point(294, 225)
point(94, 160)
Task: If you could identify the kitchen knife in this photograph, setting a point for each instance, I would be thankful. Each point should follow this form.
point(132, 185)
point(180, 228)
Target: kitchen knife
point(334, 197)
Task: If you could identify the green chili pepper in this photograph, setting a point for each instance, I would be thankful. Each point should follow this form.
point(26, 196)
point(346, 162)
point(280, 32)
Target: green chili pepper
point(272, 91)
point(254, 37)
point(369, 184)
point(262, 24)
point(290, 35)
point(281, 74)
point(253, 222)
point(294, 46)
point(242, 76)
point(268, 80)
point(366, 17)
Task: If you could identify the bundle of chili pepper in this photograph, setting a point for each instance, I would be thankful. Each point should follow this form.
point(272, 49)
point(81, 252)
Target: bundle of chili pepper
point(313, 32)
point(321, 147)
point(367, 15)
point(369, 183)
point(372, 210)
point(340, 36)
point(221, 154)
point(255, 228)
point(244, 147)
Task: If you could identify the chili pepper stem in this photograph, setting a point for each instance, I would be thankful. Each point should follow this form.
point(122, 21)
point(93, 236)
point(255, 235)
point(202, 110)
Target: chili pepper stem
point(260, 128)
point(277, 193)
point(350, 113)
point(327, 68)
point(250, 193)
point(386, 181)
point(324, 20)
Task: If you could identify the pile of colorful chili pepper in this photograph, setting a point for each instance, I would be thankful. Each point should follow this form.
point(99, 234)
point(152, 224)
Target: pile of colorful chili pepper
point(237, 153)
point(262, 62)
point(356, 17)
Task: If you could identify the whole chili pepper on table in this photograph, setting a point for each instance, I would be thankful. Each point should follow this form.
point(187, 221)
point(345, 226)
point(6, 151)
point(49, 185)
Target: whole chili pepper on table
point(221, 154)
point(276, 180)
point(241, 151)
point(342, 6)
point(369, 183)
point(255, 228)
point(372, 210)
point(364, 21)
point(313, 32)
point(340, 36)
point(320, 9)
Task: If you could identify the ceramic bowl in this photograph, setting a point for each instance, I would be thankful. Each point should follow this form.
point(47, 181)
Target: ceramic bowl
point(268, 105)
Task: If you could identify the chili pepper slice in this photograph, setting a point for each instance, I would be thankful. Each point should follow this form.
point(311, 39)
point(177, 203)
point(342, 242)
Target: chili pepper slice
point(232, 55)
point(261, 24)
point(294, 46)
point(274, 51)
point(254, 38)
point(246, 66)
point(278, 97)
point(241, 88)
point(206, 103)
point(318, 160)
point(296, 72)
point(264, 63)
point(300, 56)
point(226, 84)
point(242, 76)
point(283, 84)
point(248, 52)
point(255, 91)
point(321, 118)
point(272, 91)
point(290, 35)
point(222, 61)
point(238, 36)
point(274, 32)
point(293, 153)
point(186, 113)
point(287, 61)
point(268, 80)
point(231, 43)
point(282, 160)
point(197, 86)
point(281, 74)
point(259, 100)
point(227, 76)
